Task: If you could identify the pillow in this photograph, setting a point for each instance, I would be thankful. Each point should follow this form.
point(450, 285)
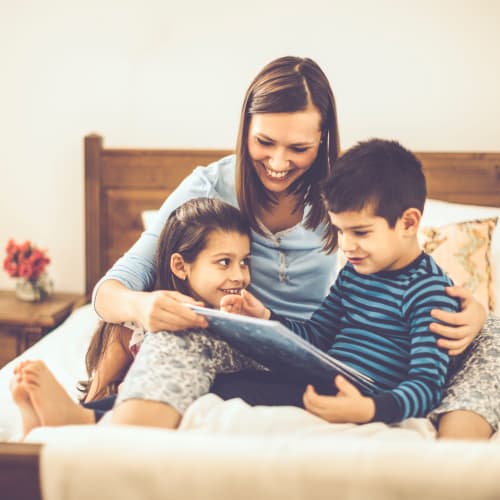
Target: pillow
point(438, 213)
point(148, 217)
point(463, 250)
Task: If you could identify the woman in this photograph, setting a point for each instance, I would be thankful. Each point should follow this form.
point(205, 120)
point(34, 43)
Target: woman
point(287, 143)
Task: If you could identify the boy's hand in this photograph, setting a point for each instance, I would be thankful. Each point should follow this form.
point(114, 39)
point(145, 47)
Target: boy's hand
point(348, 406)
point(245, 304)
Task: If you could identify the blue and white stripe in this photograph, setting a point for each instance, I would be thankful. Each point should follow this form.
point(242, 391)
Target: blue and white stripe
point(379, 325)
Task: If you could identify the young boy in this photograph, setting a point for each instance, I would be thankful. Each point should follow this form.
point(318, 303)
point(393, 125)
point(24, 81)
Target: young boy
point(377, 314)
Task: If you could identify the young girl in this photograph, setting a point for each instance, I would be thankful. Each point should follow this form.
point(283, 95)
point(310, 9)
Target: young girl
point(203, 254)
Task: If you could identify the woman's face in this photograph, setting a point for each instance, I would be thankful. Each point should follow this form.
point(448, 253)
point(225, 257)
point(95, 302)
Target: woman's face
point(283, 146)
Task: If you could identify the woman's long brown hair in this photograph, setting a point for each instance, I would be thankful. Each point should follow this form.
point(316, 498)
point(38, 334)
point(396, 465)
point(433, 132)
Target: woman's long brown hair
point(287, 85)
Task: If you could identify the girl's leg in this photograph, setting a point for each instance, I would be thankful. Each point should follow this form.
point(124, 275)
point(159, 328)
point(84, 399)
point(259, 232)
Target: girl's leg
point(146, 413)
point(21, 397)
point(471, 406)
point(171, 371)
point(50, 401)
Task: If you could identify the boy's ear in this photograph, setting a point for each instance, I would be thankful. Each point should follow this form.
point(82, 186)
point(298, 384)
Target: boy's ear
point(411, 220)
point(178, 266)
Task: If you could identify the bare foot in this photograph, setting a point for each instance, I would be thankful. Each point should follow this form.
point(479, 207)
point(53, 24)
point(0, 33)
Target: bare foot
point(51, 402)
point(21, 397)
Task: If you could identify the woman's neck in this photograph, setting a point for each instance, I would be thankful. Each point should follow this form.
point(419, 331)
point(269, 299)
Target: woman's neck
point(282, 215)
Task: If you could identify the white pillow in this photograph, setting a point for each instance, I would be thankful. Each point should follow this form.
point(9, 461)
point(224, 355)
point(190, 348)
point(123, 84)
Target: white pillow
point(148, 217)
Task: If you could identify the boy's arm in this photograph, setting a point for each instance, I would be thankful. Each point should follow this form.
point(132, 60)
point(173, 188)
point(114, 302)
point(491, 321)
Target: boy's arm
point(414, 397)
point(428, 364)
point(321, 329)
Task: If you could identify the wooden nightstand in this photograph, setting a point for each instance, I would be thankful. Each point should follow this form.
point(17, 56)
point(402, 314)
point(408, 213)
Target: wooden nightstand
point(24, 323)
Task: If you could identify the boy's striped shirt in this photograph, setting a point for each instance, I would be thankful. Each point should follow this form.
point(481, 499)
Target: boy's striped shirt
point(379, 325)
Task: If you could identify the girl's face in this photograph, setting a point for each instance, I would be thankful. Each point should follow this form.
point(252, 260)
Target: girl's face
point(283, 146)
point(221, 268)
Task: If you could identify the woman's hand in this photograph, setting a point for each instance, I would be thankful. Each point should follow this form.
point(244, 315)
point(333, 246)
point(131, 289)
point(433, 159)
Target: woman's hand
point(155, 311)
point(462, 327)
point(245, 304)
point(166, 310)
point(348, 406)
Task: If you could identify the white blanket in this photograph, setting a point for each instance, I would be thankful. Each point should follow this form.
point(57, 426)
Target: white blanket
point(228, 450)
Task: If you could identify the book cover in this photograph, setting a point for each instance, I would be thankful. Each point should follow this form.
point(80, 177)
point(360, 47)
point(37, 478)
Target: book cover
point(278, 348)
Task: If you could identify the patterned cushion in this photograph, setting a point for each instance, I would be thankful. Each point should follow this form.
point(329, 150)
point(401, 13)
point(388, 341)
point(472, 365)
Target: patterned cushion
point(463, 250)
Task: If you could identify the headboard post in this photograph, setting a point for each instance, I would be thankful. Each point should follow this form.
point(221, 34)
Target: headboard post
point(93, 243)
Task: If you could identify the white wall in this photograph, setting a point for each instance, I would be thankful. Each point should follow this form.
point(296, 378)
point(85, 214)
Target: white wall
point(157, 73)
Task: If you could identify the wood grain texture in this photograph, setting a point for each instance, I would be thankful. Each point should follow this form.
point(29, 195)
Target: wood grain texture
point(19, 466)
point(121, 183)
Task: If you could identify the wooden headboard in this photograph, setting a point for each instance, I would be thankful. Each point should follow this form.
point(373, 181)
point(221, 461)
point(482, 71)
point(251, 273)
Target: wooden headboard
point(121, 183)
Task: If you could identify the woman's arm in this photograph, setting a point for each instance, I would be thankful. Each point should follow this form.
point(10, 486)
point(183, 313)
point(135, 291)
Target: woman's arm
point(154, 311)
point(122, 295)
point(466, 324)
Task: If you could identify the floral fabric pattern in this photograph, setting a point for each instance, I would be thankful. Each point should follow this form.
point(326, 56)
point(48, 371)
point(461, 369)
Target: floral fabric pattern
point(463, 251)
point(475, 386)
point(176, 368)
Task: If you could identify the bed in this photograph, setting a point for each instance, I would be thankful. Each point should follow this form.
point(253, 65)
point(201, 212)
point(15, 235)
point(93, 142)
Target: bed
point(227, 449)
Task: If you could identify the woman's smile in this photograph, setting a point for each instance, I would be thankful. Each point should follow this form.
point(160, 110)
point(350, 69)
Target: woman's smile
point(283, 146)
point(278, 175)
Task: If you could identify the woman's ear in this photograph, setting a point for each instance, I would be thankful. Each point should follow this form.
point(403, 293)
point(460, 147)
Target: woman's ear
point(411, 220)
point(178, 267)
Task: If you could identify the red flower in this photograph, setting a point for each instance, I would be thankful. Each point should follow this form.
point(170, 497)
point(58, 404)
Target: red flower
point(25, 260)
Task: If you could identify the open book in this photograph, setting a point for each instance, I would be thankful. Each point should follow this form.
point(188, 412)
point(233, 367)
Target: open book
point(280, 349)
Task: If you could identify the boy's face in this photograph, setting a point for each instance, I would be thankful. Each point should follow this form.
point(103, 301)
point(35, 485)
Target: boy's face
point(370, 245)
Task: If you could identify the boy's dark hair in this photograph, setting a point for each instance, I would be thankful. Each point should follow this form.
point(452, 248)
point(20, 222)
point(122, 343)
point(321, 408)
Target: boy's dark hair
point(186, 232)
point(377, 173)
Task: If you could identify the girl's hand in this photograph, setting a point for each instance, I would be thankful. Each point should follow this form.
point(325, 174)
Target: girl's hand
point(165, 310)
point(245, 304)
point(465, 325)
point(348, 406)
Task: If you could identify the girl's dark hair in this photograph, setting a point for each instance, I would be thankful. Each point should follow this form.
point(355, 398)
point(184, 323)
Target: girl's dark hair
point(287, 85)
point(186, 232)
point(103, 337)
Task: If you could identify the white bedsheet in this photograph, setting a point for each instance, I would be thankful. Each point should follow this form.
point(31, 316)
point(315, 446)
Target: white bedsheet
point(64, 352)
point(230, 450)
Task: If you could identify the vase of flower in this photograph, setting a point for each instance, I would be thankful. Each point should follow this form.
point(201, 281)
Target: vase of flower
point(34, 290)
point(27, 263)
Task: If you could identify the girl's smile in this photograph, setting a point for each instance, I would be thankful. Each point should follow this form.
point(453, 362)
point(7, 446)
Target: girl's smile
point(221, 268)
